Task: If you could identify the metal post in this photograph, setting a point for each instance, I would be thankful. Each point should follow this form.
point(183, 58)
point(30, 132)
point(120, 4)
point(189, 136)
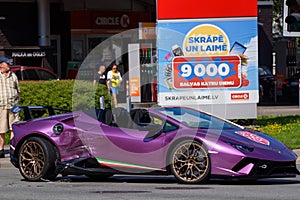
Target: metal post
point(102, 103)
point(274, 73)
point(44, 22)
point(128, 99)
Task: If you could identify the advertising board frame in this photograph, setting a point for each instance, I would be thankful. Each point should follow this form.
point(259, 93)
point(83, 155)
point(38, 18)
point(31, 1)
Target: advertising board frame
point(212, 29)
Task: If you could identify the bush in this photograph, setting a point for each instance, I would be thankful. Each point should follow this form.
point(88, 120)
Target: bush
point(64, 94)
point(47, 93)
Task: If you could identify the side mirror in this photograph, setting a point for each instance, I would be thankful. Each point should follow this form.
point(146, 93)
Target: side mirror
point(153, 133)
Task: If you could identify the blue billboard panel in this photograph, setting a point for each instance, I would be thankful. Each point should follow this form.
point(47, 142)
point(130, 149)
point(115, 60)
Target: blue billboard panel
point(207, 61)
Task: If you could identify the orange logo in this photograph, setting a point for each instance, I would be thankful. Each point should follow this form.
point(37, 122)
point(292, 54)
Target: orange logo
point(240, 96)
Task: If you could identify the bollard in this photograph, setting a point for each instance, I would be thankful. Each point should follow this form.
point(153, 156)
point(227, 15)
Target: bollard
point(275, 91)
point(102, 103)
point(128, 98)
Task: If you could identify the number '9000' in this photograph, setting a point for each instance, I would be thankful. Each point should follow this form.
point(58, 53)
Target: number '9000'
point(201, 70)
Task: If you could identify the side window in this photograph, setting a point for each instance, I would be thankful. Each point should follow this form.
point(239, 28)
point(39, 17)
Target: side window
point(156, 120)
point(44, 75)
point(169, 127)
point(30, 74)
point(18, 74)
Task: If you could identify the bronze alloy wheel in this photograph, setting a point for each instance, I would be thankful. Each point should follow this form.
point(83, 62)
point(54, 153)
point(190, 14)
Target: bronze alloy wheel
point(32, 159)
point(37, 159)
point(190, 162)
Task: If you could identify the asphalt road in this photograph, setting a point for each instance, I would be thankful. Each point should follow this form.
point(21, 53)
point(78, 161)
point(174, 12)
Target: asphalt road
point(12, 186)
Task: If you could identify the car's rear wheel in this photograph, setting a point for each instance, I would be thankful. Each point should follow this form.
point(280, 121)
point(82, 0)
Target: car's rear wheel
point(37, 159)
point(190, 162)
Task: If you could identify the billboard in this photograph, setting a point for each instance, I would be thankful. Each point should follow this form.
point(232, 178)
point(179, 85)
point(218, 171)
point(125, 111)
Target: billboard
point(207, 57)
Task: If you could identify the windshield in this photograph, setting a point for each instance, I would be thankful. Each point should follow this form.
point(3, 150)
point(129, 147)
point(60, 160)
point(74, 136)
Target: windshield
point(195, 119)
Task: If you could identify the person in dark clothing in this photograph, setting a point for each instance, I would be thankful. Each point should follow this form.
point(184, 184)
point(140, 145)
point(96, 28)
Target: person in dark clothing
point(101, 76)
point(101, 79)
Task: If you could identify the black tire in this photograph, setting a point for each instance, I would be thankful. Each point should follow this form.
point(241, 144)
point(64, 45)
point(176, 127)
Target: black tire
point(190, 162)
point(37, 160)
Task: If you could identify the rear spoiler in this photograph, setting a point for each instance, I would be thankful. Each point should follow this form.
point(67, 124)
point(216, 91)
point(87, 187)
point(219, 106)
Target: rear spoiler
point(27, 110)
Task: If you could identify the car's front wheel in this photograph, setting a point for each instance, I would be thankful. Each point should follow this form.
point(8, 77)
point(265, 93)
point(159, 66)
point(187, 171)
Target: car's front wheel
point(190, 162)
point(37, 158)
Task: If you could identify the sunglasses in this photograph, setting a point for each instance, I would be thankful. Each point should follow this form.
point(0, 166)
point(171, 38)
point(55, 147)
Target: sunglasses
point(114, 68)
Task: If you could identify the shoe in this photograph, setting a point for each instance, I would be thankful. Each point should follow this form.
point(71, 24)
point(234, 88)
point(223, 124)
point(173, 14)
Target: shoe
point(2, 153)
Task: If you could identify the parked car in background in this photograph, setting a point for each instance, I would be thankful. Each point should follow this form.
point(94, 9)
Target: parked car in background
point(25, 73)
point(266, 83)
point(290, 87)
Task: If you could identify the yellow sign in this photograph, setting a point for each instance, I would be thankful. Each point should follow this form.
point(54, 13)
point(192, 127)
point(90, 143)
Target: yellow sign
point(206, 39)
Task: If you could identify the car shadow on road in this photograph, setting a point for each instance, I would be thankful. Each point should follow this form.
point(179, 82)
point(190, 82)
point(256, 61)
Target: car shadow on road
point(172, 180)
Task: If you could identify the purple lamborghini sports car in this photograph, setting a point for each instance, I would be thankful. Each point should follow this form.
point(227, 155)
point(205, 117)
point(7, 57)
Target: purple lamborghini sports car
point(189, 144)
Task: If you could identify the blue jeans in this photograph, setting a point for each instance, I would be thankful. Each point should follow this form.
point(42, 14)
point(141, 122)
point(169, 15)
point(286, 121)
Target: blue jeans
point(114, 90)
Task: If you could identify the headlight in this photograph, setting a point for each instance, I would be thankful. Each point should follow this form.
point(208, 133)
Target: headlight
point(58, 129)
point(241, 147)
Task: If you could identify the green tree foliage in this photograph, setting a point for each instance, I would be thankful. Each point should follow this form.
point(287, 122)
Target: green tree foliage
point(277, 8)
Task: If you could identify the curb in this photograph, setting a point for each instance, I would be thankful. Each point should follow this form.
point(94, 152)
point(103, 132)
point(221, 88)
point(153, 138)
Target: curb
point(5, 162)
point(277, 110)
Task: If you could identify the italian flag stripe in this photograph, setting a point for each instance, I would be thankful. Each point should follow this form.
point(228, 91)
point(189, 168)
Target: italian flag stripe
point(111, 163)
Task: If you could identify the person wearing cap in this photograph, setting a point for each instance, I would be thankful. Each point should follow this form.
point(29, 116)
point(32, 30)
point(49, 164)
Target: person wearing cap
point(9, 97)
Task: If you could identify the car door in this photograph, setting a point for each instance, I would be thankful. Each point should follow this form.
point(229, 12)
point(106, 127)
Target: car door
point(45, 75)
point(132, 149)
point(19, 75)
point(30, 74)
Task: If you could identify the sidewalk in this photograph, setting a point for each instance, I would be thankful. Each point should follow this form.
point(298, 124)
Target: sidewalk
point(5, 162)
point(277, 110)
